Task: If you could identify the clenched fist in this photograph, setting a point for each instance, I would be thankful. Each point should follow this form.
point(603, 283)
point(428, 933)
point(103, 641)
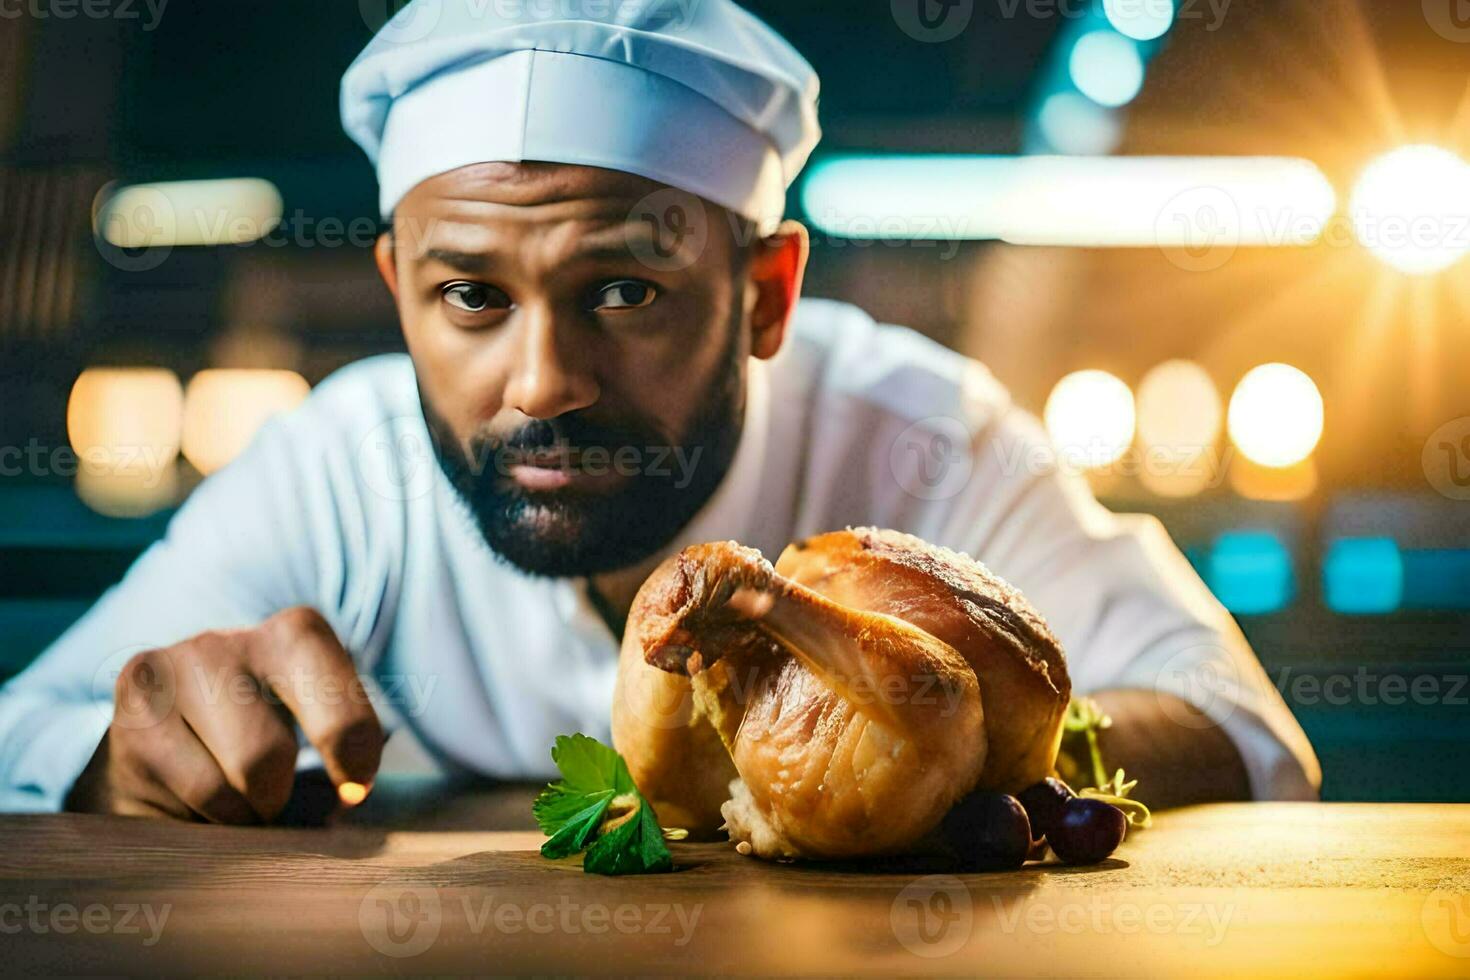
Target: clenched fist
point(203, 729)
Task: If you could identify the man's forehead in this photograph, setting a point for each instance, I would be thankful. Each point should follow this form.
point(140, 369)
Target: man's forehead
point(463, 216)
point(531, 185)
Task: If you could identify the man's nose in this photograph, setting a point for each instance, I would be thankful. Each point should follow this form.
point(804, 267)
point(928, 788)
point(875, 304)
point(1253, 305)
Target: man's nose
point(552, 374)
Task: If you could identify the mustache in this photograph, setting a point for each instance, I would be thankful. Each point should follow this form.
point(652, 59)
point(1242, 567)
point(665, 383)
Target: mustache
point(567, 435)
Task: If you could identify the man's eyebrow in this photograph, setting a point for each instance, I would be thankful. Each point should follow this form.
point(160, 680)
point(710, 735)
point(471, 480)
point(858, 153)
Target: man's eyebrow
point(619, 242)
point(628, 240)
point(463, 261)
point(592, 251)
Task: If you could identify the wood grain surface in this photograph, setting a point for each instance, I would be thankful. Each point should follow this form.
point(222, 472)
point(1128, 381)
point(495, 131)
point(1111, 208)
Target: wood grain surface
point(1259, 889)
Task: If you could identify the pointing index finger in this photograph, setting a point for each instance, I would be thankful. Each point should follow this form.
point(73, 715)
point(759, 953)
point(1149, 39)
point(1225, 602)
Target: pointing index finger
point(300, 658)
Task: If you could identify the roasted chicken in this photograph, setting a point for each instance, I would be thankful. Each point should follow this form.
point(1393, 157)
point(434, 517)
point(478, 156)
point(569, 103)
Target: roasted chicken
point(838, 704)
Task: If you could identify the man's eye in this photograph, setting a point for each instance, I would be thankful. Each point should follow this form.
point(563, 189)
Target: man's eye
point(475, 297)
point(625, 294)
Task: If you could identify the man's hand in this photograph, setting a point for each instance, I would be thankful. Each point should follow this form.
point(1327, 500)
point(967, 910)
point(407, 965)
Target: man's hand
point(202, 729)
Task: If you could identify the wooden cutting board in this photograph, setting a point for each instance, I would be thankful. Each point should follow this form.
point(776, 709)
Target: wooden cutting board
point(1258, 889)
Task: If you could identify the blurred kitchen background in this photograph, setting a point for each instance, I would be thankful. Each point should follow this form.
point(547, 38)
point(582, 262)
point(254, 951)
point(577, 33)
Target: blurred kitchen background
point(1265, 343)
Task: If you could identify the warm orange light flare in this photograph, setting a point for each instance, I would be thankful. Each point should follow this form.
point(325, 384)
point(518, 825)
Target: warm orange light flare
point(1275, 415)
point(223, 409)
point(351, 794)
point(1090, 417)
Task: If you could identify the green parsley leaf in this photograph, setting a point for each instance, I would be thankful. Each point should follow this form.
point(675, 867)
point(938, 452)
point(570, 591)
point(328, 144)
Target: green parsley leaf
point(589, 769)
point(579, 829)
point(634, 847)
point(596, 805)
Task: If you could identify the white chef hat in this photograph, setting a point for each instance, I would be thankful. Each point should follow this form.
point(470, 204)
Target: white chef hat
point(696, 94)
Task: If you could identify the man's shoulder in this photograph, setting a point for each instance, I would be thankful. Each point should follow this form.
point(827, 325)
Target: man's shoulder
point(841, 354)
point(353, 402)
point(361, 425)
point(375, 388)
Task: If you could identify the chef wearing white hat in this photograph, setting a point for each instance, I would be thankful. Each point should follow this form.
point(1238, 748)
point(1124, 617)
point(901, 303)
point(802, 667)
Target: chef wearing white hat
point(608, 359)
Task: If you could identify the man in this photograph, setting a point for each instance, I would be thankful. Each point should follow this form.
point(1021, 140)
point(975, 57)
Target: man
point(607, 361)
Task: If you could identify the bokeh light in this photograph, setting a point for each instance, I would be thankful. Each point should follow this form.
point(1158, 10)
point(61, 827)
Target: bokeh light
point(1411, 208)
point(1179, 408)
point(1075, 125)
point(125, 418)
point(124, 426)
point(1142, 20)
point(187, 212)
point(1250, 572)
point(1279, 484)
point(1362, 576)
point(128, 492)
point(1107, 68)
point(1175, 202)
point(1275, 416)
point(1090, 417)
point(223, 409)
point(1179, 422)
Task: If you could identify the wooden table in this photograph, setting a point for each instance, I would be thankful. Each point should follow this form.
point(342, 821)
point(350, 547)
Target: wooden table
point(1257, 889)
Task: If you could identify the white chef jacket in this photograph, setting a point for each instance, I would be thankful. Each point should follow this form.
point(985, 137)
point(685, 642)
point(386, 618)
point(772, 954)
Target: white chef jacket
point(340, 505)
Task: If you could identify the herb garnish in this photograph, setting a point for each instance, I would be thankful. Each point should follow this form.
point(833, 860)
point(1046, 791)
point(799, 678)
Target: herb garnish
point(1086, 717)
point(595, 807)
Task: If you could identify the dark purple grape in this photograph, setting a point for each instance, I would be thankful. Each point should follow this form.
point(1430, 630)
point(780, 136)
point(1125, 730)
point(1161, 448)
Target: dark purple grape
point(1038, 850)
point(988, 831)
point(1044, 803)
point(1087, 831)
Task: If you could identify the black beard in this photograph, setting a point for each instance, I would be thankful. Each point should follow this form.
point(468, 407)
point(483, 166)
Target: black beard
point(562, 534)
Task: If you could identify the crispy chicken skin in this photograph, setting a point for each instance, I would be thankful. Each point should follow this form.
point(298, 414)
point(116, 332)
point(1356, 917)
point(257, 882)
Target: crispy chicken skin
point(838, 704)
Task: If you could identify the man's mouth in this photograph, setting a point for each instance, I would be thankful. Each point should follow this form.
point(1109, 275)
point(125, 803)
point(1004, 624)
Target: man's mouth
point(549, 468)
point(546, 458)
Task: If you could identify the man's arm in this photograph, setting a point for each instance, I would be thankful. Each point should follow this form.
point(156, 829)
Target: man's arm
point(1177, 754)
point(1195, 716)
point(262, 536)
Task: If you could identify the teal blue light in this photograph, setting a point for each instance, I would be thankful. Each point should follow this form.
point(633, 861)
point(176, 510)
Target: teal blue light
point(1437, 578)
point(907, 196)
point(1250, 572)
point(1142, 20)
point(1107, 68)
point(1362, 576)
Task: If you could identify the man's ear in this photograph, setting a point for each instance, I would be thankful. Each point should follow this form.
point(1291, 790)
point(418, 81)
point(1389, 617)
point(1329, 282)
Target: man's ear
point(777, 264)
point(387, 268)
